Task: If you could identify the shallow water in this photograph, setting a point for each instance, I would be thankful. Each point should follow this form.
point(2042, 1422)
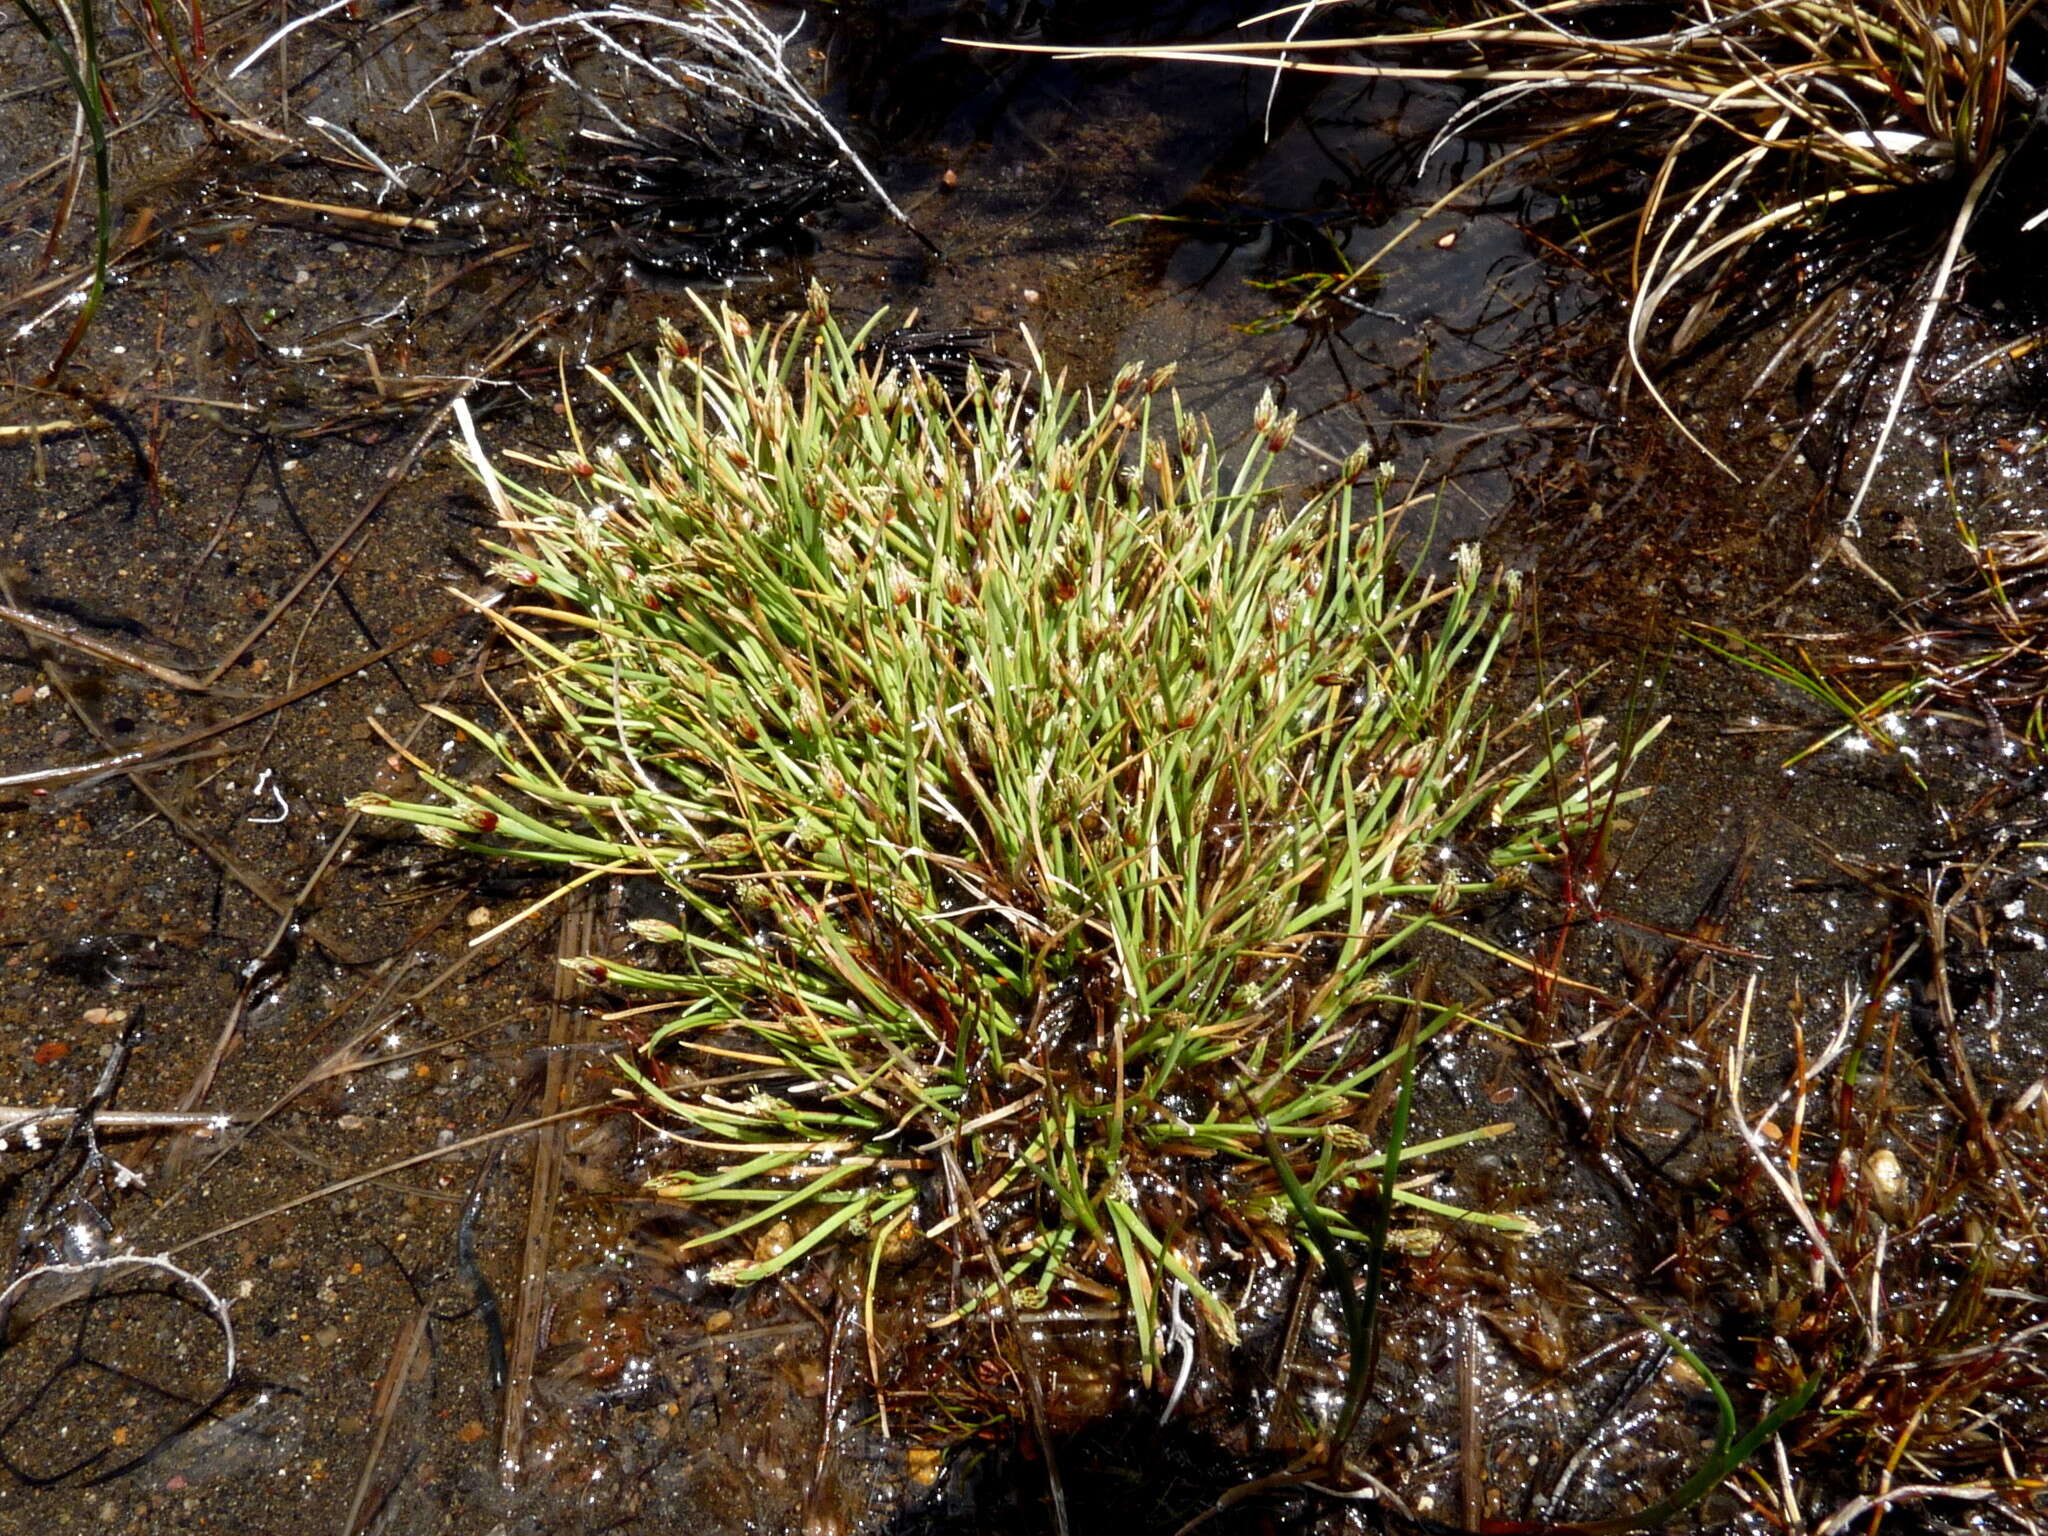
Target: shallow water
point(255, 383)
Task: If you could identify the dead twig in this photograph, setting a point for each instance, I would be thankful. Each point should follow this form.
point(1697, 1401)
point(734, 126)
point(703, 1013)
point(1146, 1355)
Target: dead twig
point(71, 637)
point(164, 754)
point(1822, 1250)
point(27, 1122)
point(1863, 1504)
point(36, 431)
point(575, 937)
point(363, 215)
point(368, 1500)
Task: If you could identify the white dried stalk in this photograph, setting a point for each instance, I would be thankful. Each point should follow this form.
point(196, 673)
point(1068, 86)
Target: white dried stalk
point(217, 1307)
point(1795, 1201)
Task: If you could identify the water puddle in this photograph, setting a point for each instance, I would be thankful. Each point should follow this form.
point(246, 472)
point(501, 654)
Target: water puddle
point(244, 558)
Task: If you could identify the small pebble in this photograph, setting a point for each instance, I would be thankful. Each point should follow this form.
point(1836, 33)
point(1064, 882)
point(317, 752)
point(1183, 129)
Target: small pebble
point(774, 1242)
point(1886, 1180)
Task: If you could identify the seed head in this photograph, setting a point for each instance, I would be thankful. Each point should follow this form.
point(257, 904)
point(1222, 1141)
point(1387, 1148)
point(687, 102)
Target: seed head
point(1064, 473)
point(657, 930)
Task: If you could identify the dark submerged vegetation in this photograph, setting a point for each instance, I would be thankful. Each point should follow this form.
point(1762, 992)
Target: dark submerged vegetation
point(1714, 151)
point(704, 202)
point(1866, 1218)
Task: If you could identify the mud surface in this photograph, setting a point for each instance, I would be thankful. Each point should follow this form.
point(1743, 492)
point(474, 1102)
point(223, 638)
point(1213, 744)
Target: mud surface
point(250, 556)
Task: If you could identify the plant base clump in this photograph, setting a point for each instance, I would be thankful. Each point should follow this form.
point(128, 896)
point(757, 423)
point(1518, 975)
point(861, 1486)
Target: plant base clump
point(1046, 802)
